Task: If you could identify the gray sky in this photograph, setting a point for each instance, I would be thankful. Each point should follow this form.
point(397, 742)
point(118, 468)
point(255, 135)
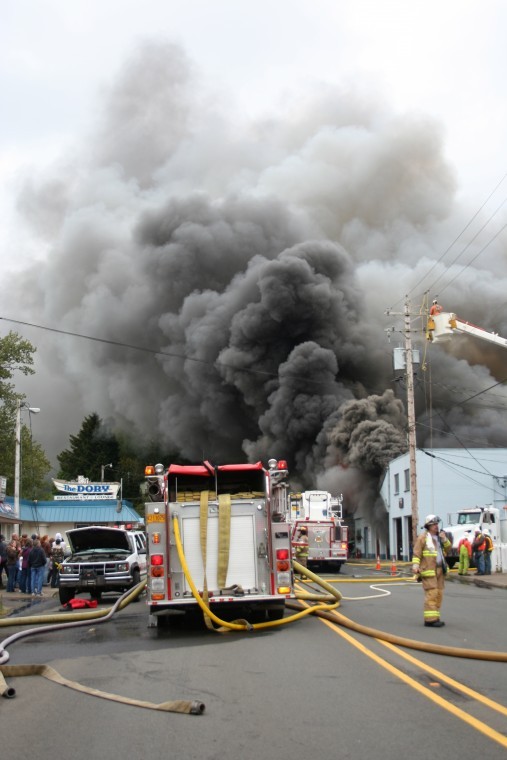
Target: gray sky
point(444, 59)
point(401, 145)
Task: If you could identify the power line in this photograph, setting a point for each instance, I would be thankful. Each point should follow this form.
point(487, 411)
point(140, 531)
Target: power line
point(461, 233)
point(158, 352)
point(449, 247)
point(455, 468)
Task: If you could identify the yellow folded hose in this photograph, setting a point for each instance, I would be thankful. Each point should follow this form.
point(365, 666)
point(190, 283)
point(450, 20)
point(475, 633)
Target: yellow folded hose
point(225, 626)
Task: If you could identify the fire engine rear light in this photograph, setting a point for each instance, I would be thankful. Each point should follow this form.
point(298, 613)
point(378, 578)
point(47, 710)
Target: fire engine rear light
point(157, 572)
point(157, 597)
point(283, 565)
point(156, 538)
point(283, 579)
point(344, 546)
point(157, 559)
point(282, 554)
point(282, 464)
point(159, 469)
point(283, 589)
point(149, 470)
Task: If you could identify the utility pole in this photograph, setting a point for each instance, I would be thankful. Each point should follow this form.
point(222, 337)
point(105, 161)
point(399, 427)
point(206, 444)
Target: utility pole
point(412, 444)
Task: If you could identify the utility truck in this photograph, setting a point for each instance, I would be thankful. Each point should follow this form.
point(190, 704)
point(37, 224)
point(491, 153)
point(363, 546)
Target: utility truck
point(222, 529)
point(322, 515)
point(467, 521)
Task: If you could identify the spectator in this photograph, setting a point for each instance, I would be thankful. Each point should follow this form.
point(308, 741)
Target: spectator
point(25, 581)
point(45, 542)
point(15, 538)
point(37, 562)
point(12, 565)
point(3, 560)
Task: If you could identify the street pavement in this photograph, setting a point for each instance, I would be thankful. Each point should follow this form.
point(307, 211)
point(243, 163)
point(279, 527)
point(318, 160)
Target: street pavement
point(13, 603)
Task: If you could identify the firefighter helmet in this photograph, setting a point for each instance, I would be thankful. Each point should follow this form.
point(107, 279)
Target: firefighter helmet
point(431, 520)
point(435, 300)
point(303, 529)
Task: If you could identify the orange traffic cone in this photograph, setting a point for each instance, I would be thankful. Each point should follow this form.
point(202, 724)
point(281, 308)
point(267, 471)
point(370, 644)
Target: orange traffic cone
point(377, 566)
point(393, 567)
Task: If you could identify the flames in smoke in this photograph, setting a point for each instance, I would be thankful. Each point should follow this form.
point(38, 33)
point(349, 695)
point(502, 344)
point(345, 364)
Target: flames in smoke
point(259, 260)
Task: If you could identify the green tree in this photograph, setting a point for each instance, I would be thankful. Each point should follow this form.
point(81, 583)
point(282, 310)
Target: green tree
point(16, 355)
point(91, 449)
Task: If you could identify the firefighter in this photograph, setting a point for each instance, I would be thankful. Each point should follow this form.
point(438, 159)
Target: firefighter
point(487, 551)
point(435, 308)
point(302, 548)
point(429, 565)
point(465, 554)
point(478, 546)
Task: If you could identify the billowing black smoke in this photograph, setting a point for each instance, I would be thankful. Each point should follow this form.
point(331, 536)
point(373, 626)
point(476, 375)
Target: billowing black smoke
point(258, 260)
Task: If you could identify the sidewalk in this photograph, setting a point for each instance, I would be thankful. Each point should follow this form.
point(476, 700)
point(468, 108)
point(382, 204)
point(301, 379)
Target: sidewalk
point(13, 602)
point(495, 580)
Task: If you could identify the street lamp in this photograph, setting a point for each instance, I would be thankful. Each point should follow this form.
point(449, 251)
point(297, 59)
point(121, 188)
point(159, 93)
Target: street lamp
point(31, 409)
point(102, 468)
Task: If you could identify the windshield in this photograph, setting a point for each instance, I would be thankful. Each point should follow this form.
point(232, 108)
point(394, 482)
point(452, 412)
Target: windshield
point(469, 518)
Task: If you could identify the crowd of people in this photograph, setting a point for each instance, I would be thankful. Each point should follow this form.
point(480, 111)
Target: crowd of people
point(31, 562)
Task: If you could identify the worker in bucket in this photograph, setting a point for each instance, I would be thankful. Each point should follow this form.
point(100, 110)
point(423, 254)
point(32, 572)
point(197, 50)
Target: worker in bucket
point(435, 308)
point(301, 546)
point(428, 563)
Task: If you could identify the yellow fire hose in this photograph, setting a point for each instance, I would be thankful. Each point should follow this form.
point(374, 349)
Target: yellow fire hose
point(225, 626)
point(325, 607)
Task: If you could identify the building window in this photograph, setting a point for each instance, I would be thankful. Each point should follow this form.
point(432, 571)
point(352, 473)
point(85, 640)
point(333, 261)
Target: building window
point(407, 480)
point(396, 483)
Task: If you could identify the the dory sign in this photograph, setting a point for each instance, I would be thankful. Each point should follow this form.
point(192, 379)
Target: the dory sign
point(83, 489)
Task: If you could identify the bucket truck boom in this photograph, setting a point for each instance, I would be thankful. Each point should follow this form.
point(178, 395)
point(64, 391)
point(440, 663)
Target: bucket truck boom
point(441, 327)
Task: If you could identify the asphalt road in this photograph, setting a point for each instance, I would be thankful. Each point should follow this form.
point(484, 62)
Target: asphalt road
point(307, 689)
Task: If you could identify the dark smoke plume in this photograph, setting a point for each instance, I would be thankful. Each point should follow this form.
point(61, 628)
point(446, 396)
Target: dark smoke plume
point(259, 260)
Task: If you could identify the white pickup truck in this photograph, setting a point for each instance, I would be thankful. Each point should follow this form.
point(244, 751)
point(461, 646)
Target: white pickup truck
point(102, 559)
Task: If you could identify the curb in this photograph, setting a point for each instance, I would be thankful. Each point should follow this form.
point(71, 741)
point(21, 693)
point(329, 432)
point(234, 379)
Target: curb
point(500, 583)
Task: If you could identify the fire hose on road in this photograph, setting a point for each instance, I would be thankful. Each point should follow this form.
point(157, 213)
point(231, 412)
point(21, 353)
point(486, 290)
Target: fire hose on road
point(323, 605)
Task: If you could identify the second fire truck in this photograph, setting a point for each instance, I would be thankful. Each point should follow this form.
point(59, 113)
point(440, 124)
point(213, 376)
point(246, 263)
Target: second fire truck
point(322, 515)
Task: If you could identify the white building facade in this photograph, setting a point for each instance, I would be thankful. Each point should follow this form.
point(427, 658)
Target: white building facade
point(447, 480)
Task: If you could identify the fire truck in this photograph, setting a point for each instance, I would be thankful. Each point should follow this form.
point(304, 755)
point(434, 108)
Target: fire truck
point(322, 515)
point(231, 524)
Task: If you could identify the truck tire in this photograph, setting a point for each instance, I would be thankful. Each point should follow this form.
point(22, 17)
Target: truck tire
point(96, 595)
point(276, 613)
point(66, 594)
